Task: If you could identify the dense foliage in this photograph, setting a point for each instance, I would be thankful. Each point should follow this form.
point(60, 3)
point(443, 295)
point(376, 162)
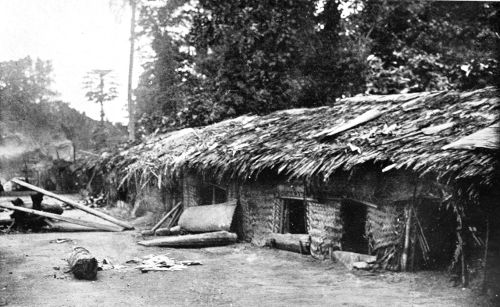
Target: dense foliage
point(248, 56)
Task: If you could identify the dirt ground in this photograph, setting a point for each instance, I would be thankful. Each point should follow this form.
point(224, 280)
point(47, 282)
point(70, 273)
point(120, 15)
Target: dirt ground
point(32, 274)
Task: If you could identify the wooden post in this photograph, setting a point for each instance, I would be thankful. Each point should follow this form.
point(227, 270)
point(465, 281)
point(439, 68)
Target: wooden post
point(413, 246)
point(485, 257)
point(404, 256)
point(100, 214)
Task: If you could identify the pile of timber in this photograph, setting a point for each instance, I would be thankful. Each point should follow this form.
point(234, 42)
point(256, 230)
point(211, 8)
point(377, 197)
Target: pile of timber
point(121, 225)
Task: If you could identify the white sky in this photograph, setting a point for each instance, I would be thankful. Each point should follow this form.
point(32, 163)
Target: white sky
point(77, 36)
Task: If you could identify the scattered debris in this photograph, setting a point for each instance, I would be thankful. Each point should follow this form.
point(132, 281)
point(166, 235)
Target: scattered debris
point(349, 259)
point(106, 264)
point(164, 263)
point(82, 264)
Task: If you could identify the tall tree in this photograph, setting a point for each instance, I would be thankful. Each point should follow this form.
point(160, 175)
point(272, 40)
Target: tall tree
point(100, 87)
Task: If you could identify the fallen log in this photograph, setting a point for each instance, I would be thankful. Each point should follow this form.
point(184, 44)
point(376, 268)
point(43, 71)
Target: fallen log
point(298, 243)
point(82, 264)
point(195, 240)
point(173, 231)
point(75, 204)
point(63, 218)
point(147, 233)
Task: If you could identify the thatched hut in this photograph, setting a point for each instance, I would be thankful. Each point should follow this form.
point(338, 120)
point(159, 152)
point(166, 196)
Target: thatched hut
point(396, 175)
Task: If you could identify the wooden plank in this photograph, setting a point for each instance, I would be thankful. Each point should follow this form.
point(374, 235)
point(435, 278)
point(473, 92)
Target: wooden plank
point(196, 240)
point(208, 218)
point(165, 217)
point(485, 138)
point(75, 204)
point(62, 218)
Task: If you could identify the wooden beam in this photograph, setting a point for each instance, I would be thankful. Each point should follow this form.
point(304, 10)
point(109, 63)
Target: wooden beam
point(63, 218)
point(298, 198)
point(75, 204)
point(362, 202)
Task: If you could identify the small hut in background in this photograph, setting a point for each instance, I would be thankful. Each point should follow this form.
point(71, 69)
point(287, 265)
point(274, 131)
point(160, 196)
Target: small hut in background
point(411, 178)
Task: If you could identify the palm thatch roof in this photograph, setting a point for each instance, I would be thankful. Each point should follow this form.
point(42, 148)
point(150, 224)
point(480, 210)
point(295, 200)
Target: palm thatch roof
point(408, 131)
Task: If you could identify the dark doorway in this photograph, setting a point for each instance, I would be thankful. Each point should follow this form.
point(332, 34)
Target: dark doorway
point(294, 216)
point(211, 194)
point(353, 217)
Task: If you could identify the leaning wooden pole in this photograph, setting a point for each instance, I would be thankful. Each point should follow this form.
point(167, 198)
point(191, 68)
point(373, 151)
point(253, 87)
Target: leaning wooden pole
point(63, 218)
point(404, 256)
point(485, 257)
point(165, 217)
point(75, 204)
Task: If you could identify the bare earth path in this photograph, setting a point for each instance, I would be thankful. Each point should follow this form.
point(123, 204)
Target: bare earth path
point(237, 275)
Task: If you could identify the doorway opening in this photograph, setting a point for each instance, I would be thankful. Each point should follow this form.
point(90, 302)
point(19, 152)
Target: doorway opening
point(294, 216)
point(353, 217)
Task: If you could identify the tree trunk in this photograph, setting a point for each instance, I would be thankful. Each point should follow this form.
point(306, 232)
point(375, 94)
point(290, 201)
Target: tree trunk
point(82, 264)
point(197, 240)
point(131, 109)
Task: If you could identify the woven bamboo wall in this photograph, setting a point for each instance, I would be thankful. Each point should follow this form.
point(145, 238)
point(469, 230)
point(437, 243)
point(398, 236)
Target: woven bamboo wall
point(257, 201)
point(190, 195)
point(324, 226)
point(385, 228)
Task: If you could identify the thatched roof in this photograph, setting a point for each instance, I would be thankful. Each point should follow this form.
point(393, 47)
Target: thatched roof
point(399, 131)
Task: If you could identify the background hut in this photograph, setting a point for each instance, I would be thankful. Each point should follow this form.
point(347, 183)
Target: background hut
point(400, 176)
